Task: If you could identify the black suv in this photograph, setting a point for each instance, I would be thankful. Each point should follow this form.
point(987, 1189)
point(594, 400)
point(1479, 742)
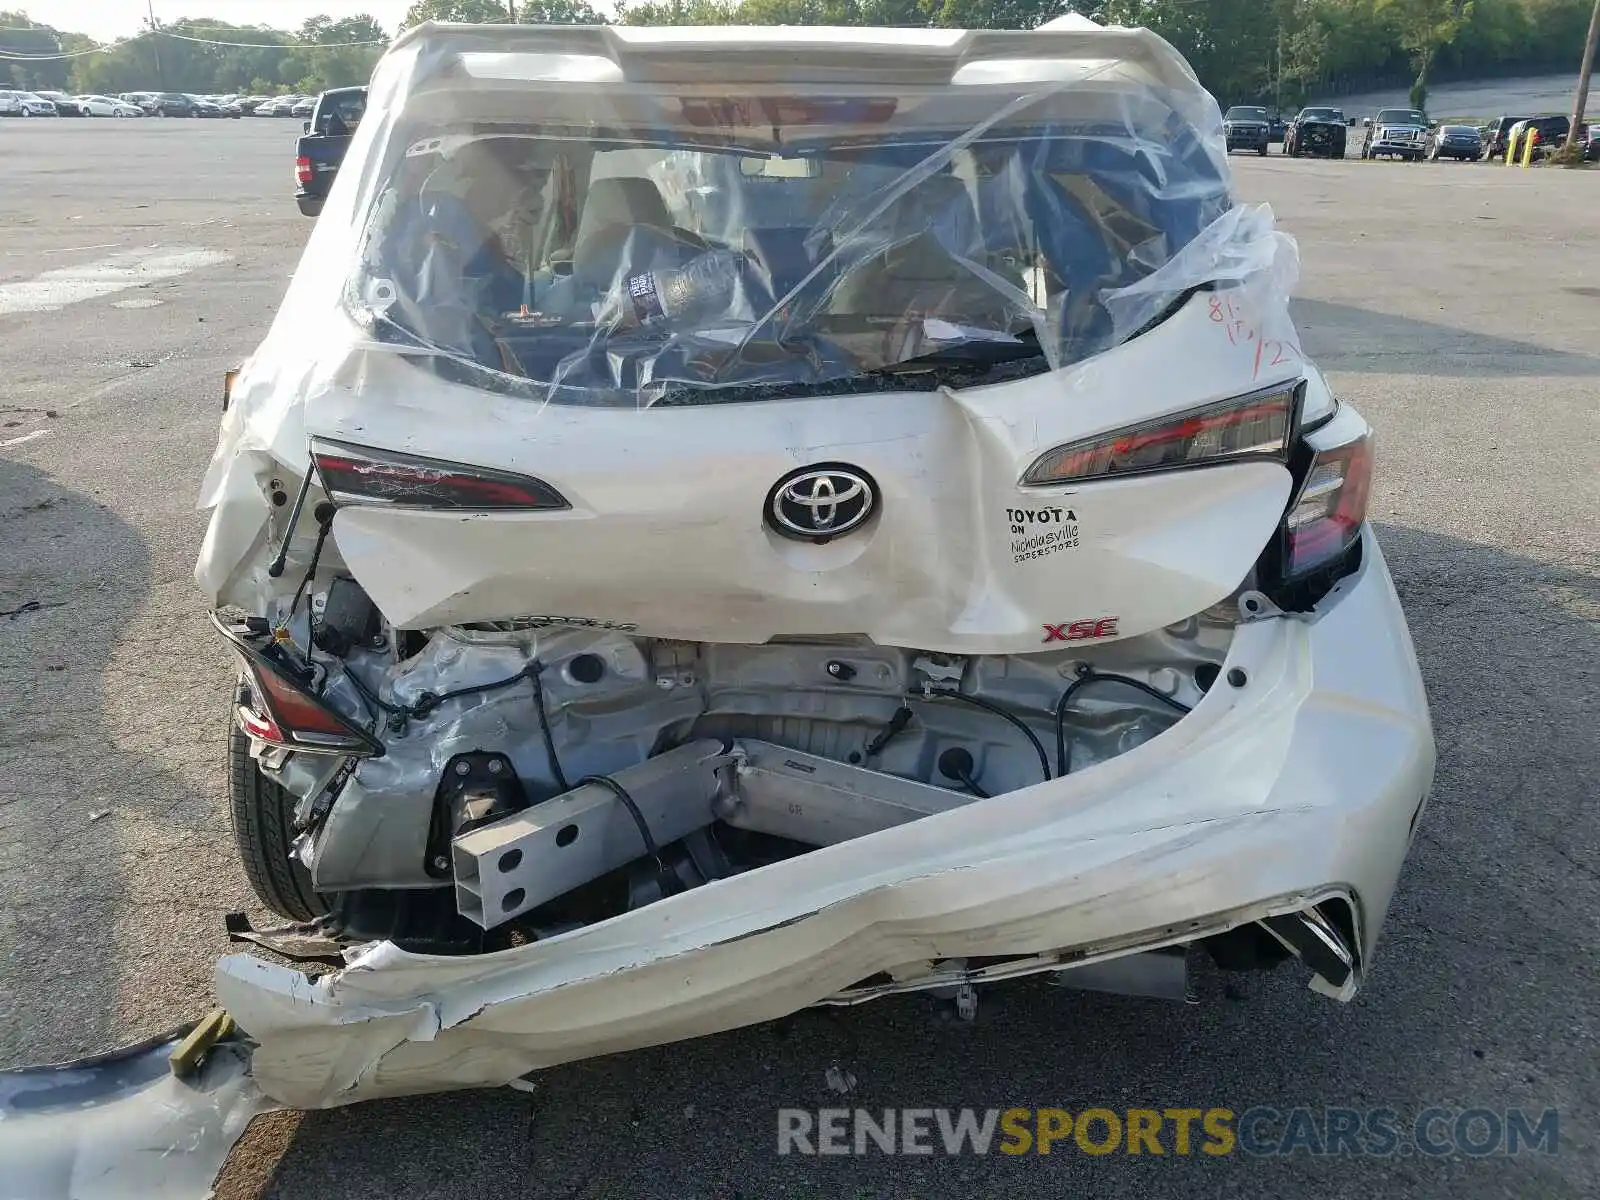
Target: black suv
point(1247, 128)
point(166, 104)
point(1494, 136)
point(1316, 131)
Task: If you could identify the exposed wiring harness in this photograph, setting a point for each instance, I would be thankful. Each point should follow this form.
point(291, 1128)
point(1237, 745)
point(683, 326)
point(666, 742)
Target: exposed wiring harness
point(971, 785)
point(979, 702)
point(427, 702)
point(671, 885)
point(1086, 676)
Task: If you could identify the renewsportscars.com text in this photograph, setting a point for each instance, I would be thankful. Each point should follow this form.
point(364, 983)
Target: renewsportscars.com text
point(1260, 1131)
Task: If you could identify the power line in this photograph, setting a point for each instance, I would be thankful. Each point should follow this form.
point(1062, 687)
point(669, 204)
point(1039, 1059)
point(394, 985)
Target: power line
point(273, 45)
point(107, 47)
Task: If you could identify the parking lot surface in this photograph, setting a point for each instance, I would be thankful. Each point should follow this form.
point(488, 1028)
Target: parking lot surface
point(1456, 305)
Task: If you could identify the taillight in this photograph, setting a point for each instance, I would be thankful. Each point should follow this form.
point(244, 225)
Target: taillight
point(1324, 520)
point(357, 474)
point(303, 173)
point(281, 709)
point(1254, 426)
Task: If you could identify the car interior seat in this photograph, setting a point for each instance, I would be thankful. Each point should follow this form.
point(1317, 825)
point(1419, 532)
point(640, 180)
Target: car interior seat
point(910, 267)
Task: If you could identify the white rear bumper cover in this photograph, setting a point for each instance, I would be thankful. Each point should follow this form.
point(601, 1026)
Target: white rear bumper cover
point(1304, 781)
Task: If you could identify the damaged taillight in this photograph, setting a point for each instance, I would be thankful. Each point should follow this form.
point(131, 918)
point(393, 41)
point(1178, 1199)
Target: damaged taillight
point(1325, 518)
point(279, 707)
point(362, 475)
point(1254, 426)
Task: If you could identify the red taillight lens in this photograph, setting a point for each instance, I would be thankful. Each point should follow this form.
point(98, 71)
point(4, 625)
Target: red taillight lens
point(1254, 426)
point(1325, 518)
point(356, 474)
point(303, 173)
point(280, 709)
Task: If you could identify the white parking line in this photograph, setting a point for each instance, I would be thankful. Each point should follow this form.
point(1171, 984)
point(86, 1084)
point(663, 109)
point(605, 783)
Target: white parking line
point(115, 273)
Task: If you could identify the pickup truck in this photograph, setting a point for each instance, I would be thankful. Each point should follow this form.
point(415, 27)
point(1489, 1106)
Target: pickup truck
point(323, 142)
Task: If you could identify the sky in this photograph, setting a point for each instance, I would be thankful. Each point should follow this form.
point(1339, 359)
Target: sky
point(108, 19)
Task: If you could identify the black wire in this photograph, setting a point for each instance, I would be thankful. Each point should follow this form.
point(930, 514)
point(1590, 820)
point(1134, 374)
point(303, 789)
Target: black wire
point(305, 580)
point(971, 785)
point(372, 697)
point(978, 701)
point(621, 793)
point(897, 723)
point(544, 728)
point(1086, 676)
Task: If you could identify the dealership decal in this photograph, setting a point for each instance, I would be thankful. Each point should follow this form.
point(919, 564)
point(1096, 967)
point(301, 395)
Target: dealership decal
point(1081, 631)
point(1037, 532)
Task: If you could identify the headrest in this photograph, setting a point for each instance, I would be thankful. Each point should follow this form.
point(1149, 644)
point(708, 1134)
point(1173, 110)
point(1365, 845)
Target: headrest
point(623, 200)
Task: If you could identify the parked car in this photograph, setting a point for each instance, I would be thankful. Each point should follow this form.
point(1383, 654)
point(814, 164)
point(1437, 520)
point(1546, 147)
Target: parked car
point(26, 104)
point(66, 106)
point(1246, 128)
point(662, 636)
point(283, 106)
point(261, 106)
point(1549, 134)
point(1316, 131)
point(1591, 144)
point(323, 143)
point(109, 106)
point(304, 108)
point(1461, 142)
point(1495, 135)
point(1396, 133)
point(167, 104)
point(201, 106)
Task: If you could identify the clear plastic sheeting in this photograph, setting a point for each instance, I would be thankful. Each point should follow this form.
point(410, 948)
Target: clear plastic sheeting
point(578, 216)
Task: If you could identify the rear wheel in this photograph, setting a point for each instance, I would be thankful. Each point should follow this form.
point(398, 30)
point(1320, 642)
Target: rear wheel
point(262, 815)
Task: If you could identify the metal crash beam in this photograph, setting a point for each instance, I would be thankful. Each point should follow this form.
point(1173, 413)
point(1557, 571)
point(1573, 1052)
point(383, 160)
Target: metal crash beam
point(820, 801)
point(514, 865)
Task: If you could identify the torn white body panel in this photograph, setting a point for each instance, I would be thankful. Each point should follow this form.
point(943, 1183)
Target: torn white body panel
point(122, 1125)
point(1303, 781)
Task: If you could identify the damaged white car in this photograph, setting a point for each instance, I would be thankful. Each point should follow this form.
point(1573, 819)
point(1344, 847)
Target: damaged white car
point(729, 520)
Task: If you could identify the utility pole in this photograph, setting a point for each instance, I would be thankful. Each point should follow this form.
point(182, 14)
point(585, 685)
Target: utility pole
point(155, 41)
point(1581, 101)
point(1277, 96)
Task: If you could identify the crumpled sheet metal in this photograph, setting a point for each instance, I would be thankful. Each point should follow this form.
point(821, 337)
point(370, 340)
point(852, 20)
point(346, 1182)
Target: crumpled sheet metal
point(1232, 805)
point(1138, 205)
point(121, 1125)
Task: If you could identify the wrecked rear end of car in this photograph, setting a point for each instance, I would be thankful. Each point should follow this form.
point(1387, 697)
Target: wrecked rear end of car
point(698, 549)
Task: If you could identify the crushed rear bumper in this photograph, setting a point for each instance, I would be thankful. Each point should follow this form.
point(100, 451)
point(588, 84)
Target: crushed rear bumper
point(1300, 777)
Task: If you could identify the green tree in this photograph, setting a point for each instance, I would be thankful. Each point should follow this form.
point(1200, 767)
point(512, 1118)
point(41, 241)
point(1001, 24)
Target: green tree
point(1422, 28)
point(678, 12)
point(473, 12)
point(558, 12)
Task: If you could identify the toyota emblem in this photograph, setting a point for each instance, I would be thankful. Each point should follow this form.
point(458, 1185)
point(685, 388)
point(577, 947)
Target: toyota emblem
point(817, 504)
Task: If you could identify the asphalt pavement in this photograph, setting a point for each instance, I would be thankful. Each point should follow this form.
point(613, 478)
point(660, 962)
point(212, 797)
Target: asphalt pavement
point(1458, 305)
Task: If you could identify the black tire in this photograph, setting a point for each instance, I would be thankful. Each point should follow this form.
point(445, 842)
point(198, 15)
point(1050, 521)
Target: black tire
point(1263, 150)
point(262, 814)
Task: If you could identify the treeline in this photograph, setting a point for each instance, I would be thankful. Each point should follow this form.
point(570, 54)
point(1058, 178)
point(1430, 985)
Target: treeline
point(184, 57)
point(1243, 50)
